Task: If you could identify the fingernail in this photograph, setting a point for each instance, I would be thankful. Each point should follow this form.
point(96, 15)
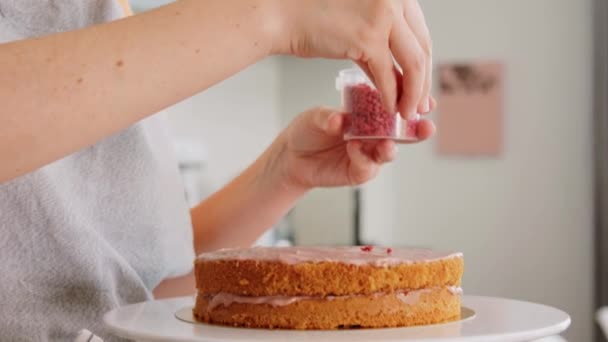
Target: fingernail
point(426, 106)
point(325, 124)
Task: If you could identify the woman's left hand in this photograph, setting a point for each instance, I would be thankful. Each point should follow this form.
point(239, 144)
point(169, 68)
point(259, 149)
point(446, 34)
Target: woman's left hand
point(313, 152)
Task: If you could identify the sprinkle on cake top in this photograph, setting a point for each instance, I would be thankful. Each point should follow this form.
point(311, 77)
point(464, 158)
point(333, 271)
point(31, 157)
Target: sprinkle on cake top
point(366, 255)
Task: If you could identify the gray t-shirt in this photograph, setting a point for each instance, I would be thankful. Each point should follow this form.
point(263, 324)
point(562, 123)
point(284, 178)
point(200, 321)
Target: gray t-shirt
point(95, 230)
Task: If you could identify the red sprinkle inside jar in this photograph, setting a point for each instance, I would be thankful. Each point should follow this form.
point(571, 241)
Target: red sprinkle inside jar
point(369, 119)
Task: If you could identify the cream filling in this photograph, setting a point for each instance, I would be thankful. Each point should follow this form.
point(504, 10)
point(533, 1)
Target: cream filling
point(227, 299)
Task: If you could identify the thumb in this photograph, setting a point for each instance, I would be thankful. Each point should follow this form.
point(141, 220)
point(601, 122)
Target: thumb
point(330, 121)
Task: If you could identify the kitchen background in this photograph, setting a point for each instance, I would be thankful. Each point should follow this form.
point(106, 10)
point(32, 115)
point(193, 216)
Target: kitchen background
point(523, 219)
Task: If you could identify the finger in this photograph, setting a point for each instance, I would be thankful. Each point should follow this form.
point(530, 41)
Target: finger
point(432, 103)
point(328, 120)
point(428, 81)
point(410, 57)
point(362, 168)
point(415, 19)
point(424, 107)
point(425, 129)
point(396, 74)
point(383, 71)
point(377, 150)
point(367, 71)
point(385, 151)
point(336, 124)
point(368, 147)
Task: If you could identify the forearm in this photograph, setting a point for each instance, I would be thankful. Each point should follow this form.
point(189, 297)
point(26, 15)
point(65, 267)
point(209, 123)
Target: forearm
point(63, 92)
point(240, 212)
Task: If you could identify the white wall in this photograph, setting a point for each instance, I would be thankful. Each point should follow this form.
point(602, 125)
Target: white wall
point(236, 119)
point(524, 221)
point(324, 216)
point(144, 5)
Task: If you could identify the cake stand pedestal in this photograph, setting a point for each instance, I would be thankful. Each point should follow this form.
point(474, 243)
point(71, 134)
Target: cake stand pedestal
point(496, 319)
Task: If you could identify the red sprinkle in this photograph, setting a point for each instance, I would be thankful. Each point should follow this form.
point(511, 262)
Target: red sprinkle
point(367, 248)
point(389, 250)
point(368, 116)
point(412, 128)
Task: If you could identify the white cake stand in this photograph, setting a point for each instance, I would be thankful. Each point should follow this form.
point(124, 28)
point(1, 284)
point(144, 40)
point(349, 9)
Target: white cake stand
point(495, 320)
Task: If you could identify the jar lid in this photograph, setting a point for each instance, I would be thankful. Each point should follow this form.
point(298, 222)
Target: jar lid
point(351, 76)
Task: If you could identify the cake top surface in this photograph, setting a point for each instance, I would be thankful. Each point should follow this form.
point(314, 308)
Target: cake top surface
point(366, 255)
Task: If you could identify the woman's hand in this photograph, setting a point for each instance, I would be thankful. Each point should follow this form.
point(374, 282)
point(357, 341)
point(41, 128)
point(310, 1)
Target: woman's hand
point(372, 33)
point(313, 153)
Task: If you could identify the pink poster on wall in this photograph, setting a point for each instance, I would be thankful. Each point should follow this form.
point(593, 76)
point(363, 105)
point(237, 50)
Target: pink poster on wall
point(471, 109)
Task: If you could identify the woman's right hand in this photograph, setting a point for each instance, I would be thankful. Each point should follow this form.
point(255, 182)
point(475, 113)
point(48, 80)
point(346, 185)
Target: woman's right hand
point(371, 33)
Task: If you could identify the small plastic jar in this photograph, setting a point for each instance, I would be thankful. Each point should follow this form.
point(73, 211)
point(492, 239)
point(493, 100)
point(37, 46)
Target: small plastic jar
point(368, 117)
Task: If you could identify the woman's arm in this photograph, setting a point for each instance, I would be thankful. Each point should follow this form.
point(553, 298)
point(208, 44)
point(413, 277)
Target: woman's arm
point(66, 91)
point(240, 212)
point(309, 153)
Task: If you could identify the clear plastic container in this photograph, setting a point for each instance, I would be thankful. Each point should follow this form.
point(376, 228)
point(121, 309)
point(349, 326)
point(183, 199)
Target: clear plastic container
point(368, 117)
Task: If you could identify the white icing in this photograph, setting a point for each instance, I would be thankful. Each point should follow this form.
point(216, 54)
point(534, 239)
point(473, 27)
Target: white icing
point(227, 299)
point(455, 290)
point(378, 256)
point(411, 297)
